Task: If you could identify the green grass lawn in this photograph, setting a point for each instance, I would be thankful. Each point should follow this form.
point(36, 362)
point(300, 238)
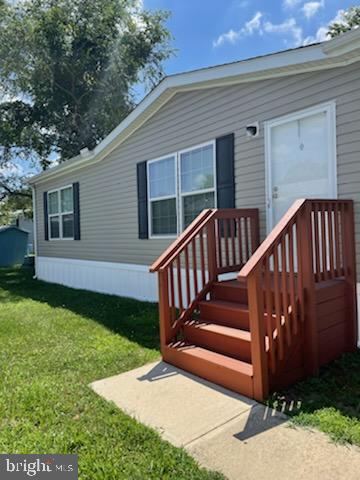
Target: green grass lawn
point(329, 402)
point(54, 341)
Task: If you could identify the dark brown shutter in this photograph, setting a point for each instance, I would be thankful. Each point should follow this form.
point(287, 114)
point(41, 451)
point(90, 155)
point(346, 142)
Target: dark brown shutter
point(142, 200)
point(46, 219)
point(76, 197)
point(225, 175)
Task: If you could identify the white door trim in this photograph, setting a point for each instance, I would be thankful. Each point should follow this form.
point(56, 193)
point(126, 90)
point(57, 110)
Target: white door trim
point(330, 109)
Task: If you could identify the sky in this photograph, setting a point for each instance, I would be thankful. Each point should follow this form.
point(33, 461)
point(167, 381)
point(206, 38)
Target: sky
point(211, 32)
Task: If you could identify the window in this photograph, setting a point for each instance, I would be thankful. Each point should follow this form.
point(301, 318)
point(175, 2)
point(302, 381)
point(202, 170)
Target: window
point(197, 180)
point(162, 196)
point(61, 213)
point(180, 186)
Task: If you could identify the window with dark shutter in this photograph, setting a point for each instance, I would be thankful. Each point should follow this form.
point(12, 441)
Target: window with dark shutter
point(182, 184)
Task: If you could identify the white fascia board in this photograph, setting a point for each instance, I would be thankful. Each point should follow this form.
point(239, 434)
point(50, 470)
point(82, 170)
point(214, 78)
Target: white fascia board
point(313, 57)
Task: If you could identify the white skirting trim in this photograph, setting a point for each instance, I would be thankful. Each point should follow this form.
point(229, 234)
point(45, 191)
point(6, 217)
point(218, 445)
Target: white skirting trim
point(125, 280)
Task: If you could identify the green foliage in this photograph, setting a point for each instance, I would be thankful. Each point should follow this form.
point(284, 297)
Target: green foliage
point(14, 203)
point(54, 341)
point(67, 72)
point(350, 19)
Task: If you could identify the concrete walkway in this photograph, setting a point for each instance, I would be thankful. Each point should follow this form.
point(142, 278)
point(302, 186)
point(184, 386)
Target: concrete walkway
point(225, 431)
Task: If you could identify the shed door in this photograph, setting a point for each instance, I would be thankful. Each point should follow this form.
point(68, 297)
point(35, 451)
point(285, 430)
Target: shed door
point(300, 159)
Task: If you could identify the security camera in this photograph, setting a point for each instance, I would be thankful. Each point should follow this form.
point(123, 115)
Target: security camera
point(252, 130)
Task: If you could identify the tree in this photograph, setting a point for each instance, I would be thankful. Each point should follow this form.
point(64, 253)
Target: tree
point(67, 72)
point(349, 19)
point(17, 201)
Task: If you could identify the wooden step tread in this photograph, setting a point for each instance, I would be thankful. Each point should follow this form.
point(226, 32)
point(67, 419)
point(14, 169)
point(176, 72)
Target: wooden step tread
point(235, 333)
point(196, 352)
point(224, 304)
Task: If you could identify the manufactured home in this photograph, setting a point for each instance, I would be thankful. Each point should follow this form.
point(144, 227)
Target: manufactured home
point(239, 185)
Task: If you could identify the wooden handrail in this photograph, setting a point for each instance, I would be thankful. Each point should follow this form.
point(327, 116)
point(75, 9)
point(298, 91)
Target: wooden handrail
point(216, 242)
point(271, 239)
point(187, 234)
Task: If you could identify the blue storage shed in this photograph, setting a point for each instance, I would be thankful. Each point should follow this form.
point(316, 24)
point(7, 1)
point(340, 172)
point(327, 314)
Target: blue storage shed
point(13, 246)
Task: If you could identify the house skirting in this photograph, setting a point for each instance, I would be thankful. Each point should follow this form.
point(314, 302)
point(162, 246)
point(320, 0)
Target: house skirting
point(123, 279)
point(126, 280)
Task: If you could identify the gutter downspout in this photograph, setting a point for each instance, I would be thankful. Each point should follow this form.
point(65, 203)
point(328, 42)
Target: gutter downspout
point(35, 229)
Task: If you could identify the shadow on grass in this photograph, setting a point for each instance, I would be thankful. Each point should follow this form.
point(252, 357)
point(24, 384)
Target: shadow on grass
point(337, 385)
point(329, 401)
point(135, 320)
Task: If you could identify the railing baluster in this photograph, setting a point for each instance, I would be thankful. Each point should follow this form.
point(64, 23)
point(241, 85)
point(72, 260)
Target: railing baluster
point(226, 241)
point(239, 229)
point(247, 244)
point(232, 236)
point(202, 258)
point(211, 251)
point(337, 240)
point(179, 281)
point(293, 301)
point(220, 253)
point(187, 275)
point(331, 240)
point(172, 293)
point(255, 233)
point(342, 236)
point(323, 244)
point(194, 262)
point(269, 313)
point(284, 292)
point(277, 302)
point(317, 243)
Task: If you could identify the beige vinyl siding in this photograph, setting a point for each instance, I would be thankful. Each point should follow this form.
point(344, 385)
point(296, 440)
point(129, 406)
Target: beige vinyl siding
point(108, 192)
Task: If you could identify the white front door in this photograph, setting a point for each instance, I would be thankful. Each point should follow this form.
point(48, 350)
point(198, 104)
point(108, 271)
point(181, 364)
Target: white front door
point(300, 158)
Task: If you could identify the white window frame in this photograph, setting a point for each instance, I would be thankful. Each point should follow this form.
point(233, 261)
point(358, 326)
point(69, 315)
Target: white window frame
point(165, 197)
point(60, 213)
point(195, 192)
point(330, 109)
point(178, 194)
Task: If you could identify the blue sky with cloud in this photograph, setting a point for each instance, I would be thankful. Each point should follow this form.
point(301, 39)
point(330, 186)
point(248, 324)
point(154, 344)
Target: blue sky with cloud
point(210, 32)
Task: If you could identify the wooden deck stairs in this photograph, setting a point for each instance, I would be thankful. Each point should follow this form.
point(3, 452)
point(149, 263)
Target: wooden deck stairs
point(290, 308)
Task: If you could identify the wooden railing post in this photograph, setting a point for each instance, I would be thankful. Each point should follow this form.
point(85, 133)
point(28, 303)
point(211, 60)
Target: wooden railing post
point(211, 251)
point(350, 274)
point(257, 331)
point(305, 256)
point(164, 311)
